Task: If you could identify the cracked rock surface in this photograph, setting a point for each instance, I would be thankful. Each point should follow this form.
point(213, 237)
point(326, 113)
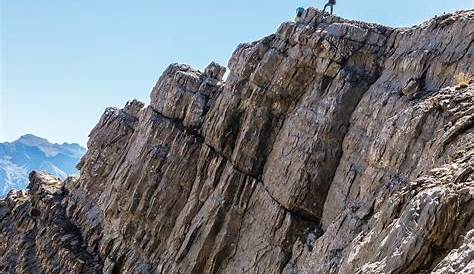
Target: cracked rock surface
point(333, 146)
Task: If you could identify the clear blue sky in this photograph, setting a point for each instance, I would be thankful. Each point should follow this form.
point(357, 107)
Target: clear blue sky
point(63, 62)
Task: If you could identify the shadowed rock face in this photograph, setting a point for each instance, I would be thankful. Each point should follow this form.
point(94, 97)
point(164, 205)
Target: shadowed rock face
point(332, 147)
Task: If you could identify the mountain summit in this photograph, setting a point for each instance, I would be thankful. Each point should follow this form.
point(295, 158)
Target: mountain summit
point(333, 146)
point(30, 152)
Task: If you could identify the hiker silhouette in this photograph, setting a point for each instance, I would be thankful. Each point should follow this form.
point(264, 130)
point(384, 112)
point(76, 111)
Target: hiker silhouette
point(299, 13)
point(330, 4)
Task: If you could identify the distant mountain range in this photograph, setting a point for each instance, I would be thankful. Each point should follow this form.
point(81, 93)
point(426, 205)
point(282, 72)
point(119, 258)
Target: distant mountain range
point(19, 158)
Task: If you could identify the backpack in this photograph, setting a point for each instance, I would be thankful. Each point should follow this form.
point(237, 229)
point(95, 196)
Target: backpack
point(299, 11)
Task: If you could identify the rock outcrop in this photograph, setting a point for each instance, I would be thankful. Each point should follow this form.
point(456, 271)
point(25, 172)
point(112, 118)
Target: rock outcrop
point(333, 146)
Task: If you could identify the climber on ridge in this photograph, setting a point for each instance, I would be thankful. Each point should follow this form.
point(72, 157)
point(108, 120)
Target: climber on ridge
point(299, 13)
point(331, 4)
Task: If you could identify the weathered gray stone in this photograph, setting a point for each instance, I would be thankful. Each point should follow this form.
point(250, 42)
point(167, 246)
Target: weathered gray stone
point(333, 146)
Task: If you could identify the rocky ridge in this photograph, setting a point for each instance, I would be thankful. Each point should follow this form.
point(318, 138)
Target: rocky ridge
point(333, 146)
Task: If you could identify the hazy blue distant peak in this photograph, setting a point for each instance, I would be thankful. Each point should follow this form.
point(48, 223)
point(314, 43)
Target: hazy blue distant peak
point(28, 153)
point(32, 140)
point(50, 149)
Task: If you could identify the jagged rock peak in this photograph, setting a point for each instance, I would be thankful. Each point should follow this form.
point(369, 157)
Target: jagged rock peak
point(332, 146)
point(215, 71)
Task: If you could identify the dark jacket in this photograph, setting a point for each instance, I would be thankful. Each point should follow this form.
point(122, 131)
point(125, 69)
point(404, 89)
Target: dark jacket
point(332, 2)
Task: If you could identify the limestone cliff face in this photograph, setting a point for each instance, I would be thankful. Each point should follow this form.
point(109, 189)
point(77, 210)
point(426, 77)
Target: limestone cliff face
point(332, 147)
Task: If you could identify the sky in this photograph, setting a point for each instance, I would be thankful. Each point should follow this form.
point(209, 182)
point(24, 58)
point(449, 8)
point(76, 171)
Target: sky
point(62, 62)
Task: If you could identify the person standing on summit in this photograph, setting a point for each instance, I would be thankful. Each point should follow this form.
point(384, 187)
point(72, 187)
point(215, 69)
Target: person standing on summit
point(331, 4)
point(299, 13)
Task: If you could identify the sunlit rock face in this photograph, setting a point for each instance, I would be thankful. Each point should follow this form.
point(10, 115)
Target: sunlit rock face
point(333, 146)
